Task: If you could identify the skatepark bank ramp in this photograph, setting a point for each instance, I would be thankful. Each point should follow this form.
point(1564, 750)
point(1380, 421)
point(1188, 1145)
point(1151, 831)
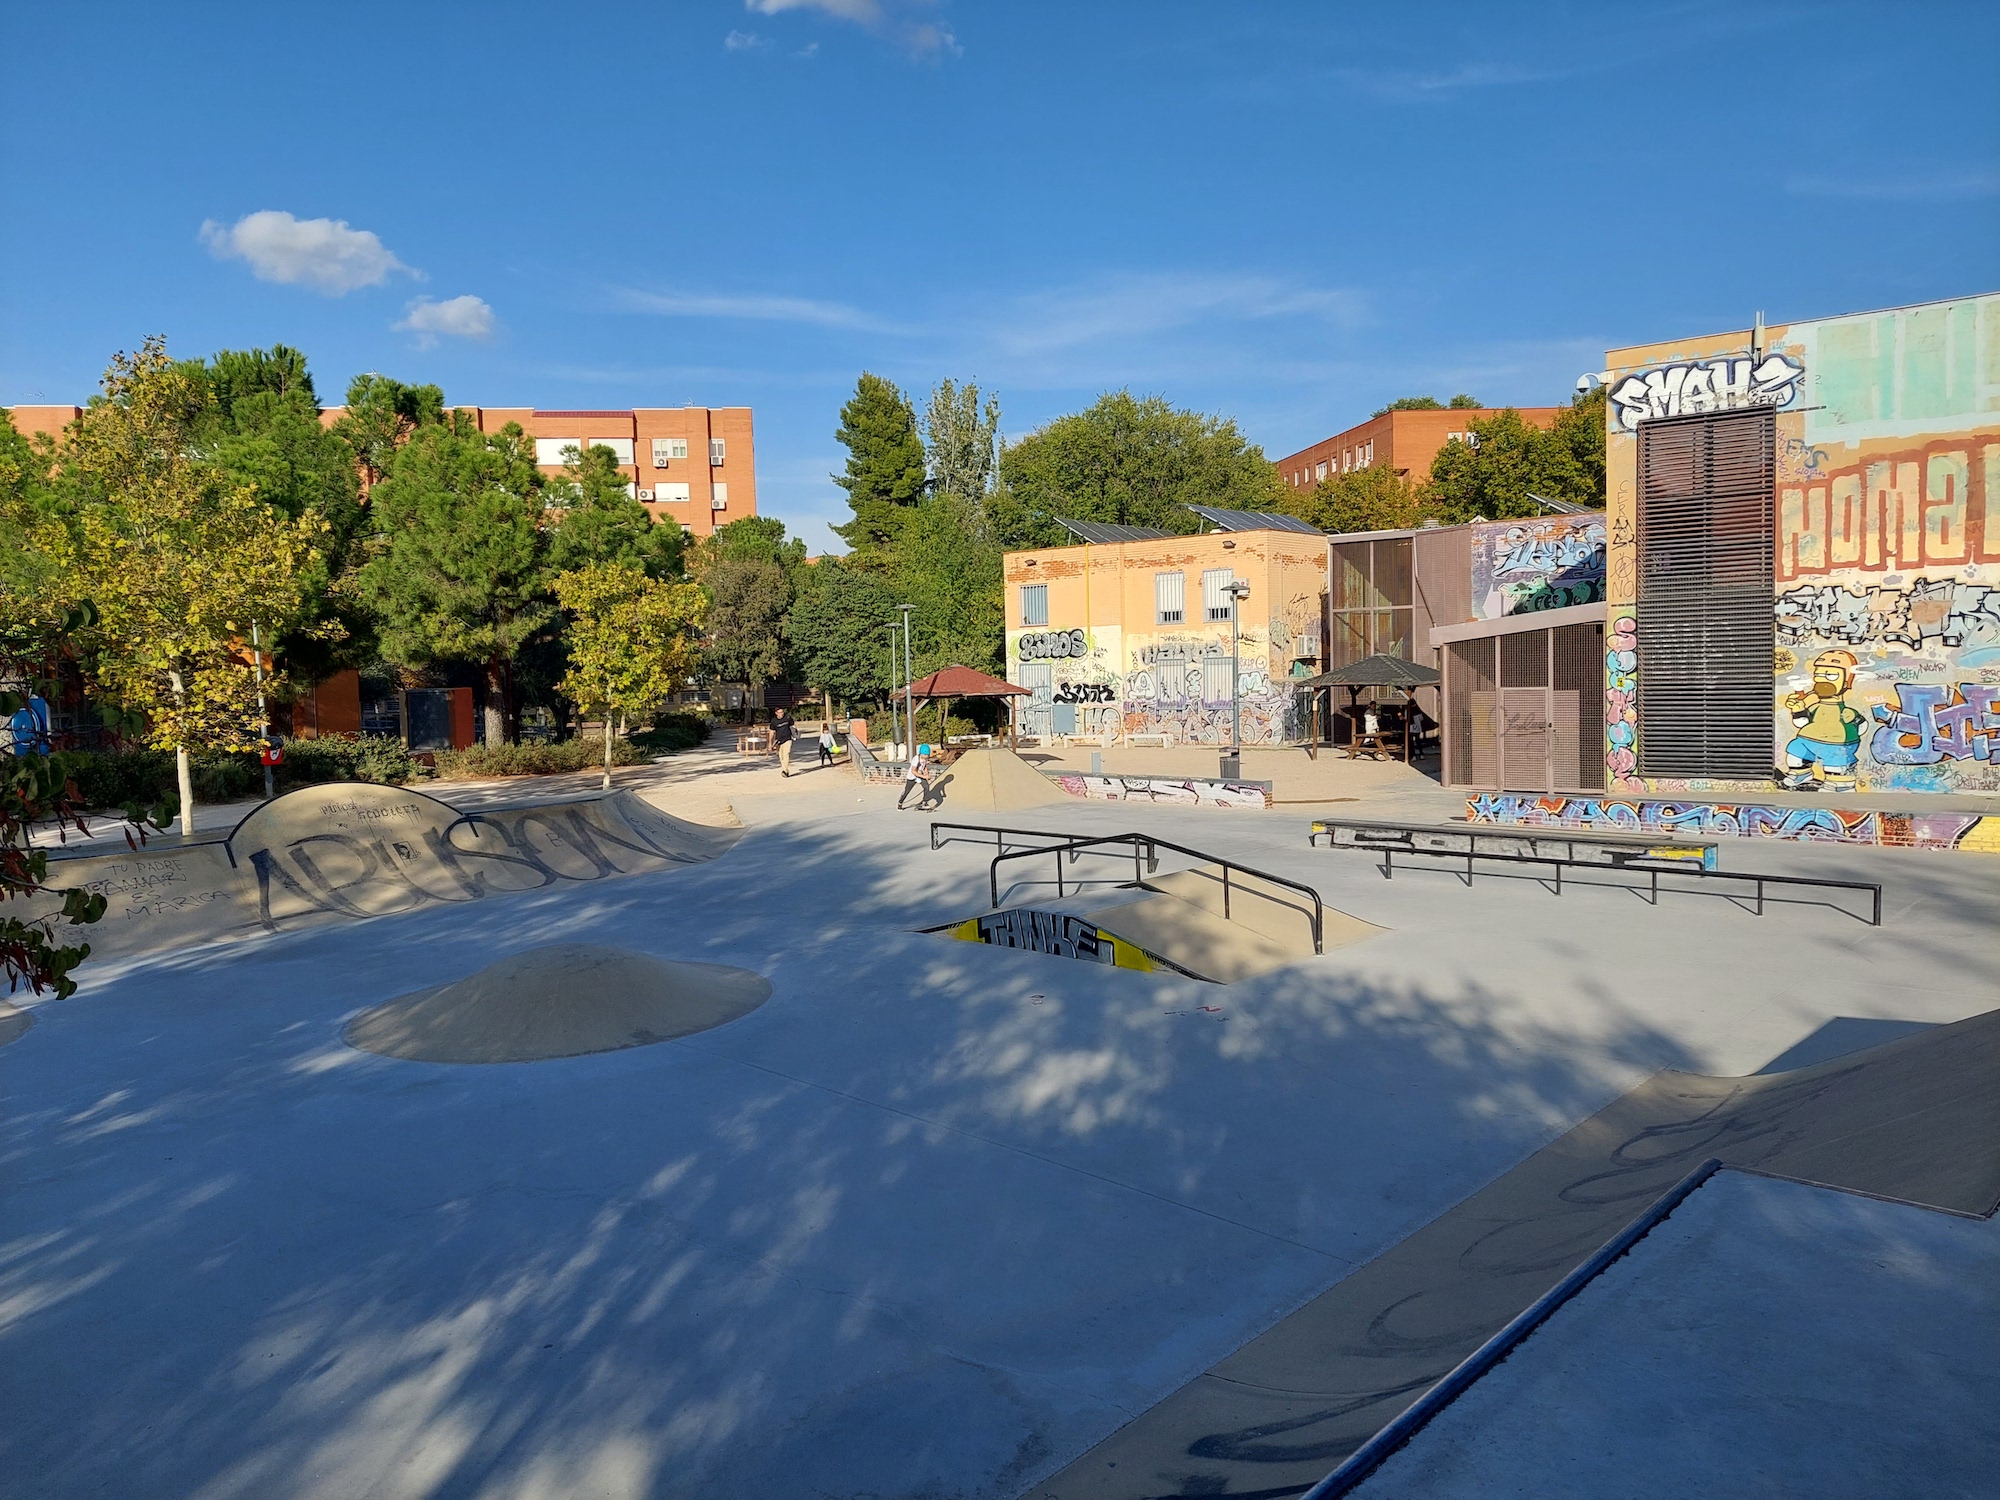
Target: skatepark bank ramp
point(354, 850)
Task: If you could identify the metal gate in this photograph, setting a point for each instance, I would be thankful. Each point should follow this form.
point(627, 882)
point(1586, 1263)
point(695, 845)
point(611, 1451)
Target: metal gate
point(1038, 677)
point(1707, 624)
point(1523, 710)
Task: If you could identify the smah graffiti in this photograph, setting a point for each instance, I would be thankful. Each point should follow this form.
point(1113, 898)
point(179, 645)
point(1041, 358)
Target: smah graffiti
point(1926, 612)
point(1686, 390)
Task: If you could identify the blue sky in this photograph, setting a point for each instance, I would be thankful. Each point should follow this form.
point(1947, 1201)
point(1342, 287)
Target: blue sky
point(1286, 213)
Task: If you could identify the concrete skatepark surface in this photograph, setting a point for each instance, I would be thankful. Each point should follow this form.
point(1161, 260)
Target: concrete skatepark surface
point(983, 780)
point(936, 1219)
point(1768, 1339)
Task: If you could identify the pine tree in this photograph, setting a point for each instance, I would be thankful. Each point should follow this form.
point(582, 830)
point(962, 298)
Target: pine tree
point(885, 465)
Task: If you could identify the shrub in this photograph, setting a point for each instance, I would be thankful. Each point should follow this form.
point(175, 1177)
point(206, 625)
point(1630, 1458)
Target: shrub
point(536, 760)
point(112, 778)
point(346, 757)
point(673, 733)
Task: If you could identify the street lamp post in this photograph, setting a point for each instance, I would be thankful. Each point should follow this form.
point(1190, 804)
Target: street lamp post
point(909, 687)
point(891, 628)
point(1232, 761)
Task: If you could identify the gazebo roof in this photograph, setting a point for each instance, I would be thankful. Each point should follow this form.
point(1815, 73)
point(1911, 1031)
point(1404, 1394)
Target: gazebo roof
point(1376, 671)
point(963, 682)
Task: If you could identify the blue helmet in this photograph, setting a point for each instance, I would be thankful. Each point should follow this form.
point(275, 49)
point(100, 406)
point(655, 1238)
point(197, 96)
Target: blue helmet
point(923, 749)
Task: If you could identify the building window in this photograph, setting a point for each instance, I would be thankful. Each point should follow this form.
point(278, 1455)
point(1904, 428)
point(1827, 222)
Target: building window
point(1371, 454)
point(672, 494)
point(557, 451)
point(621, 448)
point(665, 450)
point(715, 451)
point(1215, 679)
point(718, 497)
point(1215, 595)
point(1319, 471)
point(1034, 604)
point(1170, 598)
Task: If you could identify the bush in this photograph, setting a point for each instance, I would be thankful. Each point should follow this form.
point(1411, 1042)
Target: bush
point(536, 760)
point(673, 733)
point(880, 732)
point(379, 758)
point(112, 778)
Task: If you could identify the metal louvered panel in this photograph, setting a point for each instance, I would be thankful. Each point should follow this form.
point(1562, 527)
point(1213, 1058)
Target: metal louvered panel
point(1706, 617)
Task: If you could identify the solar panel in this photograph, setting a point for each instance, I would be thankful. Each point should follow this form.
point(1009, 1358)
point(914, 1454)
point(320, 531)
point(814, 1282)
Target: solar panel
point(1102, 532)
point(1253, 520)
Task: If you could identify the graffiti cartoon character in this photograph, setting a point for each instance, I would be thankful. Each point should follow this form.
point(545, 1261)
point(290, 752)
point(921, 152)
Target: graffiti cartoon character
point(1827, 742)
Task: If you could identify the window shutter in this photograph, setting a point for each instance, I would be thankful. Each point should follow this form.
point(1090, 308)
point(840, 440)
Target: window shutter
point(1170, 597)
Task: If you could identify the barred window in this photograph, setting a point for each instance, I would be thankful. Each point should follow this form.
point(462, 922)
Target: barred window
point(1034, 604)
point(1215, 597)
point(1170, 597)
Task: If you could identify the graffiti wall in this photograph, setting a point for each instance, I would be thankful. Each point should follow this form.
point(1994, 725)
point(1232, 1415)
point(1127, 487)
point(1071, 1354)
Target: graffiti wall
point(1052, 932)
point(1519, 567)
point(1185, 792)
point(1111, 658)
point(1887, 551)
point(1830, 825)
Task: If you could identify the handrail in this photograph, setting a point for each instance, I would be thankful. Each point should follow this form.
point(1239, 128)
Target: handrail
point(1655, 868)
point(1144, 845)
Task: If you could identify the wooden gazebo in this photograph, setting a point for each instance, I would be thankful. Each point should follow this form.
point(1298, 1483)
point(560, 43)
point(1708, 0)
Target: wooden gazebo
point(949, 683)
point(1379, 672)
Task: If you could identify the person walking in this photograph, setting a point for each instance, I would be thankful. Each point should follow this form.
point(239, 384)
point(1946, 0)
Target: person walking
point(782, 730)
point(918, 774)
point(825, 745)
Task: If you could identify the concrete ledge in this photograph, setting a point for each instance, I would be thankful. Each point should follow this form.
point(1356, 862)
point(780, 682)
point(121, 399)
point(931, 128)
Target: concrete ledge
point(1664, 816)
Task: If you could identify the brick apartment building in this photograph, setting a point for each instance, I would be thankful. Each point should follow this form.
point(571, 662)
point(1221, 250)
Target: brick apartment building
point(1405, 440)
point(695, 465)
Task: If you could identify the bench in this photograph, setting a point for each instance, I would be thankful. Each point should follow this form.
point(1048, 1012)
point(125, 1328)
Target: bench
point(871, 765)
point(1163, 739)
point(984, 741)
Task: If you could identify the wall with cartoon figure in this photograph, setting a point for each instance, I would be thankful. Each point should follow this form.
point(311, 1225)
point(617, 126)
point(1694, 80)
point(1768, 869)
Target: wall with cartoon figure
point(1096, 649)
point(1887, 548)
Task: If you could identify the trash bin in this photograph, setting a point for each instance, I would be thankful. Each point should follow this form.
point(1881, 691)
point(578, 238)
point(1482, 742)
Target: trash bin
point(1232, 765)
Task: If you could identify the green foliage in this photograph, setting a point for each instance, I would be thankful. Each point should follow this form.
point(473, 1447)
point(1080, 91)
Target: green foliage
point(118, 778)
point(949, 567)
point(754, 538)
point(1463, 402)
point(480, 761)
point(1130, 462)
point(458, 571)
point(1430, 403)
point(632, 639)
point(1493, 476)
point(599, 521)
point(1376, 498)
point(885, 464)
point(748, 599)
point(836, 632)
point(381, 414)
point(958, 439)
point(672, 733)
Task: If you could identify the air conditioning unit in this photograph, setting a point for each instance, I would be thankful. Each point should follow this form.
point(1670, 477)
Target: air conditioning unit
point(646, 495)
point(716, 502)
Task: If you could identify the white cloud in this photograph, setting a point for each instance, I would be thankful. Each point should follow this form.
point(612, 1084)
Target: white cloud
point(465, 317)
point(927, 39)
point(328, 255)
point(1914, 187)
point(743, 41)
point(759, 309)
point(1125, 308)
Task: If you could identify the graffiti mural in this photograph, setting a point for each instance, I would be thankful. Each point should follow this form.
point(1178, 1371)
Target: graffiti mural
point(1519, 567)
point(1891, 508)
point(1929, 612)
point(1621, 705)
point(1085, 692)
point(1647, 815)
point(1686, 390)
point(1188, 792)
point(1052, 932)
point(1047, 645)
point(1825, 748)
point(1930, 722)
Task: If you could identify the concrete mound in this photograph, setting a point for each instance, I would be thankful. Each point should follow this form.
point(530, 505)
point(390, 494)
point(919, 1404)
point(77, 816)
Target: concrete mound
point(14, 1022)
point(993, 781)
point(562, 1000)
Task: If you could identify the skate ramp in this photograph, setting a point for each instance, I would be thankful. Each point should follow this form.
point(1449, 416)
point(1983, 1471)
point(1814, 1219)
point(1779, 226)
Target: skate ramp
point(1916, 1120)
point(14, 1022)
point(561, 1000)
point(357, 850)
point(992, 781)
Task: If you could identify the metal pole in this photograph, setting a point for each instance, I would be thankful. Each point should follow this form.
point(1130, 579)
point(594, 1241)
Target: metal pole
point(909, 687)
point(891, 628)
point(263, 715)
point(1235, 698)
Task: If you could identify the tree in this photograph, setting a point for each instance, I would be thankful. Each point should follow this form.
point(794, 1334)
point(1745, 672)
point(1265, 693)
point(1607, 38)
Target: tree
point(752, 538)
point(1129, 461)
point(748, 599)
point(885, 464)
point(1509, 460)
point(835, 630)
point(1462, 402)
point(958, 438)
point(1411, 403)
point(949, 567)
point(381, 414)
point(180, 560)
point(1376, 498)
point(599, 520)
point(458, 572)
point(631, 640)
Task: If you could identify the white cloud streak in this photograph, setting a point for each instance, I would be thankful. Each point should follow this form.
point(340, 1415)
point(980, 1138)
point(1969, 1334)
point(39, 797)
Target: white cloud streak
point(466, 317)
point(756, 309)
point(743, 41)
point(927, 40)
point(328, 255)
point(1914, 187)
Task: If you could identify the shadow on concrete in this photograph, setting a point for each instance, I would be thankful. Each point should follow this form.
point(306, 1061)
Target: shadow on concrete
point(1837, 1038)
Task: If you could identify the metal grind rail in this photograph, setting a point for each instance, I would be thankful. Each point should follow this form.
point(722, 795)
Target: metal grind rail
point(1656, 870)
point(1145, 848)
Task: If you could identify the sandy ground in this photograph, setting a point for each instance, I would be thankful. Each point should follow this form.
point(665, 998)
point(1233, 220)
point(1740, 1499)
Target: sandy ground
point(933, 1220)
